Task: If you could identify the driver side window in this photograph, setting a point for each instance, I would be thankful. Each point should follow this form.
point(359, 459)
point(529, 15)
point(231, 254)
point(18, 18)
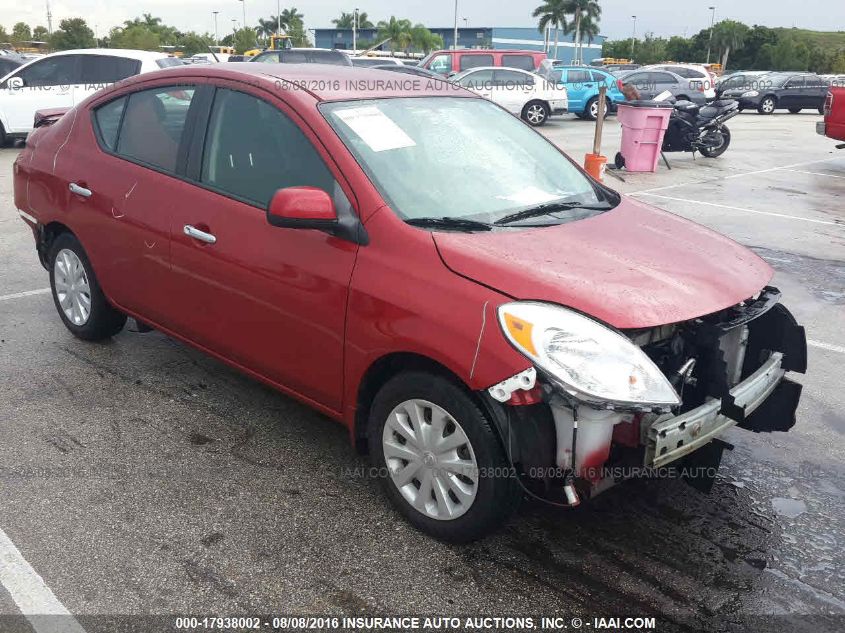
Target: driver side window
point(52, 71)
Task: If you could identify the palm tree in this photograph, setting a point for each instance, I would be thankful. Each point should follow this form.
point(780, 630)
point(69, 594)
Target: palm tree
point(266, 28)
point(290, 17)
point(397, 31)
point(729, 35)
point(347, 20)
point(424, 40)
point(551, 13)
point(590, 30)
point(580, 9)
point(364, 21)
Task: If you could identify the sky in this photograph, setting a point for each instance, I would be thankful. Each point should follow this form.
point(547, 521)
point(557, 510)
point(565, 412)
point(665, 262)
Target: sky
point(657, 16)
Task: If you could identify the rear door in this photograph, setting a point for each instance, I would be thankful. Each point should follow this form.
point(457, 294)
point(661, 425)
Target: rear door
point(47, 83)
point(100, 71)
point(481, 83)
point(580, 88)
point(661, 82)
point(816, 89)
point(272, 300)
point(792, 94)
point(513, 89)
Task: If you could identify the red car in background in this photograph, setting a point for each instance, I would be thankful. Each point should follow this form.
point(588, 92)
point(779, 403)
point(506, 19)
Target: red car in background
point(833, 125)
point(417, 263)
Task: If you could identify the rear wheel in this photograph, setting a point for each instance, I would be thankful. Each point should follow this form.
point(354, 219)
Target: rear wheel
point(767, 105)
point(79, 300)
point(535, 113)
point(2, 136)
point(713, 151)
point(591, 111)
point(440, 460)
point(821, 109)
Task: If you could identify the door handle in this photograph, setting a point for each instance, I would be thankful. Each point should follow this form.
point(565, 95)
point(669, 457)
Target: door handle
point(202, 236)
point(80, 191)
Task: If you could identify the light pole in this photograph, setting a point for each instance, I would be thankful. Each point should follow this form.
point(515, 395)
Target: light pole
point(355, 31)
point(278, 17)
point(712, 22)
point(234, 26)
point(466, 20)
point(455, 43)
point(633, 36)
point(243, 2)
point(216, 38)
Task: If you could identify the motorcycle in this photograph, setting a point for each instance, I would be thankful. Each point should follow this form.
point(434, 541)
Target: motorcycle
point(694, 128)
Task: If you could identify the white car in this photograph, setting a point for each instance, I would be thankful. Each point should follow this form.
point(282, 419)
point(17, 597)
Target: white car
point(61, 80)
point(519, 91)
point(694, 72)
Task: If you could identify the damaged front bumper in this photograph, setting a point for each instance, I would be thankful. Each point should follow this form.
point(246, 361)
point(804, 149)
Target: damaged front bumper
point(670, 438)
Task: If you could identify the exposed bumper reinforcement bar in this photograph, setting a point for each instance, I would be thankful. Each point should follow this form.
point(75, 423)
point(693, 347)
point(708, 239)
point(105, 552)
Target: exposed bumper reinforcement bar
point(672, 438)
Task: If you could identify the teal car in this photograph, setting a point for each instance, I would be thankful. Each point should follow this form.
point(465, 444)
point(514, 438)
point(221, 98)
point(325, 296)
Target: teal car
point(582, 86)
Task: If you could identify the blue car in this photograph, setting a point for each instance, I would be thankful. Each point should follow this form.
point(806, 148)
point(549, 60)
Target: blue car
point(582, 87)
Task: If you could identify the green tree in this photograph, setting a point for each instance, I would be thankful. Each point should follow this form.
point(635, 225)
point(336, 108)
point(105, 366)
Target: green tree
point(193, 43)
point(244, 40)
point(347, 20)
point(40, 34)
point(290, 17)
point(268, 27)
point(298, 35)
point(167, 35)
point(581, 9)
point(136, 37)
point(21, 33)
point(650, 50)
point(728, 35)
point(680, 49)
point(551, 13)
point(424, 40)
point(398, 32)
point(72, 33)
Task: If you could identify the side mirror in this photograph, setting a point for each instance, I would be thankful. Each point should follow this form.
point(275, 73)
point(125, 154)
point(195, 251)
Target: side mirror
point(302, 208)
point(14, 83)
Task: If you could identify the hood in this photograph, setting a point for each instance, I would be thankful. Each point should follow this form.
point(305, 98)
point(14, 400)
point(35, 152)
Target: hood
point(632, 267)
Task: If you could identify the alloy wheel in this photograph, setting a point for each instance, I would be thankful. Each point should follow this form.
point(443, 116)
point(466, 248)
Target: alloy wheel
point(72, 288)
point(535, 114)
point(430, 459)
point(768, 106)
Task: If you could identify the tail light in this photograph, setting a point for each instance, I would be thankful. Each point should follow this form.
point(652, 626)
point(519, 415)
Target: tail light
point(619, 84)
point(828, 104)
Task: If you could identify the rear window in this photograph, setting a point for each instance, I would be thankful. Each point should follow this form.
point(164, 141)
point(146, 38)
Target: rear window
point(168, 62)
point(101, 69)
point(314, 57)
point(523, 62)
point(474, 61)
point(107, 120)
point(367, 62)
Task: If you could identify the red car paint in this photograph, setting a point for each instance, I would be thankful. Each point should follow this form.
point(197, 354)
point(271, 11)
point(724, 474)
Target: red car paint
point(834, 113)
point(312, 314)
point(497, 56)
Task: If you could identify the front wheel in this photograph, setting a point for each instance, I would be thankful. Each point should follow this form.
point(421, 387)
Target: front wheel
point(440, 461)
point(79, 299)
point(767, 105)
point(535, 113)
point(714, 151)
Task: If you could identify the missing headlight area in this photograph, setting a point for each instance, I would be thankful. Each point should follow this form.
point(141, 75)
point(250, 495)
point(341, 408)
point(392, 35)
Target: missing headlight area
point(728, 369)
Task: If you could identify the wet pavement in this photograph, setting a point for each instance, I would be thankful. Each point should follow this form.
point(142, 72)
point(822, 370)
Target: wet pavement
point(140, 476)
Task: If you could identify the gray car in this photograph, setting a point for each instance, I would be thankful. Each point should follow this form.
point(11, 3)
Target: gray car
point(650, 83)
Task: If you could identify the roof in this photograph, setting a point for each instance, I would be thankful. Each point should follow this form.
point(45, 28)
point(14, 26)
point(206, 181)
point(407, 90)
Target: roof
point(322, 82)
point(114, 52)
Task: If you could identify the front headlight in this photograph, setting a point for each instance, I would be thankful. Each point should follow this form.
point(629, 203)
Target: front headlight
point(589, 360)
point(751, 93)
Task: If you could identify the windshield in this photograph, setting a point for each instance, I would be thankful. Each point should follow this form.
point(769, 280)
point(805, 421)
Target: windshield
point(453, 157)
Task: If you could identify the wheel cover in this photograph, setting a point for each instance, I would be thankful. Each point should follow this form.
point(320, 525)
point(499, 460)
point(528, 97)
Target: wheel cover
point(72, 288)
point(768, 105)
point(594, 109)
point(430, 459)
point(536, 113)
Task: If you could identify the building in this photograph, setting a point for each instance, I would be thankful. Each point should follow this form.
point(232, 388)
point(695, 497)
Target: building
point(527, 38)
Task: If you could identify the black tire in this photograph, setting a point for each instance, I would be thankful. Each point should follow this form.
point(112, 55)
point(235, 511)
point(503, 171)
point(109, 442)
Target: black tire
point(682, 98)
point(103, 321)
point(498, 493)
point(619, 160)
point(2, 136)
point(535, 113)
point(718, 151)
point(767, 105)
point(591, 109)
point(794, 110)
point(821, 109)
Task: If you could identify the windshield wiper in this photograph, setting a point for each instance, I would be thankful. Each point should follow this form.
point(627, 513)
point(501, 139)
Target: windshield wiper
point(547, 209)
point(455, 224)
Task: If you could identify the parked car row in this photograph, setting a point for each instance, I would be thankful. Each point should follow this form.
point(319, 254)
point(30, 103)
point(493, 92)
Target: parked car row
point(777, 91)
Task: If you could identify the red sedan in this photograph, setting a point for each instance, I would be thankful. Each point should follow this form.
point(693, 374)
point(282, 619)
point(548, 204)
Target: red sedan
point(417, 263)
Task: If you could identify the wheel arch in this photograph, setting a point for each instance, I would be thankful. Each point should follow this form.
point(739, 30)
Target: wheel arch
point(46, 235)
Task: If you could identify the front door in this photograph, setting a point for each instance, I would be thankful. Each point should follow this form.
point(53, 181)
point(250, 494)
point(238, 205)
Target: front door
point(580, 88)
point(47, 83)
point(271, 299)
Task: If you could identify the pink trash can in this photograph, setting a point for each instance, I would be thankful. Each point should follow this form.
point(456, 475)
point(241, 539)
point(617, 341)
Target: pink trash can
point(643, 125)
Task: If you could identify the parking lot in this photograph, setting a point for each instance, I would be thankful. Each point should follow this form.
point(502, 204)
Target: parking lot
point(142, 477)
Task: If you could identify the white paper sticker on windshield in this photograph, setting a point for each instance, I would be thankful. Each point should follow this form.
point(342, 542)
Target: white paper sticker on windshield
point(375, 128)
point(530, 195)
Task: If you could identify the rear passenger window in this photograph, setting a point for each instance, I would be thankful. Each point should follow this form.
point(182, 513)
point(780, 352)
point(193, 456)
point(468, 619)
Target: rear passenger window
point(102, 69)
point(153, 124)
point(252, 149)
point(577, 77)
point(523, 62)
point(107, 118)
point(598, 76)
point(474, 61)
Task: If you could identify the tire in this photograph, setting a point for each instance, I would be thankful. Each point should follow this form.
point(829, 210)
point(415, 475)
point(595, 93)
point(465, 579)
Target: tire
point(89, 315)
point(767, 105)
point(794, 110)
point(718, 151)
point(2, 136)
point(619, 160)
point(535, 113)
point(420, 400)
point(821, 109)
point(682, 98)
point(591, 110)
